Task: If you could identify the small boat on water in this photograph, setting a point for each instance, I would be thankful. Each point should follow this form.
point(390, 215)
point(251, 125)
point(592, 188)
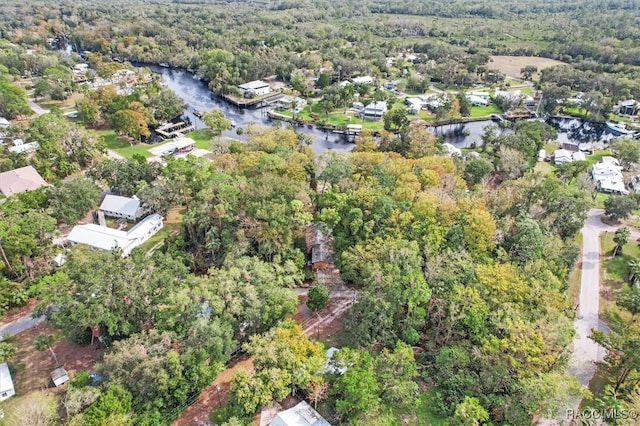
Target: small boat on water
point(164, 65)
point(619, 129)
point(197, 113)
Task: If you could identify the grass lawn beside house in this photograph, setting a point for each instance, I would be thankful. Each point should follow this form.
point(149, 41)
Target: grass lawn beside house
point(122, 146)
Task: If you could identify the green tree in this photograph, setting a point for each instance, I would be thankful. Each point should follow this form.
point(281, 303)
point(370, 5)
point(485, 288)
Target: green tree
point(475, 170)
point(357, 390)
point(317, 298)
point(629, 299)
point(395, 372)
point(619, 207)
point(216, 120)
point(73, 198)
point(45, 342)
point(528, 71)
point(525, 241)
point(621, 343)
point(131, 123)
point(621, 237)
point(13, 101)
point(112, 407)
point(627, 151)
point(7, 351)
point(470, 413)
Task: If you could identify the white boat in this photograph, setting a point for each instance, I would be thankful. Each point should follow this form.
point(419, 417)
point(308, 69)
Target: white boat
point(619, 129)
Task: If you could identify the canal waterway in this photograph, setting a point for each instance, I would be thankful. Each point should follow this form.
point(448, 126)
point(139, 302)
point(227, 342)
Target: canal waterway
point(197, 96)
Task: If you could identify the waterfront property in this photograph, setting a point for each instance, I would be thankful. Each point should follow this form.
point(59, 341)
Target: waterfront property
point(375, 110)
point(254, 88)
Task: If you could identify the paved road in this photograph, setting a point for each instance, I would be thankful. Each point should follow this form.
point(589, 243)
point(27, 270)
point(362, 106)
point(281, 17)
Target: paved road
point(20, 325)
point(37, 108)
point(586, 352)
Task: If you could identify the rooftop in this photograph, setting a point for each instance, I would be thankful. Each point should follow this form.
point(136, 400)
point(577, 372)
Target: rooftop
point(124, 205)
point(20, 180)
point(300, 415)
point(5, 378)
point(252, 85)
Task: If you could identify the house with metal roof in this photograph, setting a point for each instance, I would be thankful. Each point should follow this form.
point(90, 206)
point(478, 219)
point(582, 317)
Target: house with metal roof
point(118, 206)
point(105, 238)
point(255, 88)
point(6, 383)
point(20, 180)
point(375, 110)
point(300, 415)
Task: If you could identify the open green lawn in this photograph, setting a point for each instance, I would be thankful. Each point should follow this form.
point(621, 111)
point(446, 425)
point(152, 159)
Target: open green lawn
point(122, 146)
point(337, 117)
point(202, 138)
point(479, 111)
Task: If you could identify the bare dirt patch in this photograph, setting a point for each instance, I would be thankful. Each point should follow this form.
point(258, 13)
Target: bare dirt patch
point(31, 368)
point(511, 65)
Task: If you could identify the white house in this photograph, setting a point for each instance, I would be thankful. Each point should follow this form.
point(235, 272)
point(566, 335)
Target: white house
point(578, 156)
point(478, 101)
point(561, 156)
point(104, 238)
point(117, 206)
point(608, 176)
point(452, 150)
point(20, 147)
point(363, 80)
point(375, 110)
point(4, 123)
point(179, 145)
point(628, 107)
point(255, 88)
point(300, 415)
point(6, 383)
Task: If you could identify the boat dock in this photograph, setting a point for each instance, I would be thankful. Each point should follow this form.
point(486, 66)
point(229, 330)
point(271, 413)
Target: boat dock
point(255, 102)
point(174, 130)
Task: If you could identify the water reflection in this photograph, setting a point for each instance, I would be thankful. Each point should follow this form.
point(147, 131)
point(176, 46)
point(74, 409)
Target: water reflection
point(198, 97)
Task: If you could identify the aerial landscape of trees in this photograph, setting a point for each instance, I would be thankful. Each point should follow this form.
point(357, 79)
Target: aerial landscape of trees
point(458, 266)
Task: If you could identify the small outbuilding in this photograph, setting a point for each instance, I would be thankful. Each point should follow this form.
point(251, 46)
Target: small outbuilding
point(59, 376)
point(6, 383)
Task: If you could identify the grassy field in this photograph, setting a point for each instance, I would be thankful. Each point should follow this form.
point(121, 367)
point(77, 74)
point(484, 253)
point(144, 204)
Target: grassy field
point(478, 111)
point(511, 65)
point(122, 146)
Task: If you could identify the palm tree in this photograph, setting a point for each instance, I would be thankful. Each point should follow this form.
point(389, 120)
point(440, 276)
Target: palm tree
point(633, 266)
point(621, 237)
point(44, 342)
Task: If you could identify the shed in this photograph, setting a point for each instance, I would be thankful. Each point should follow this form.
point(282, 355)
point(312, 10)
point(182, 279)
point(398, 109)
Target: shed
point(59, 376)
point(6, 383)
point(4, 123)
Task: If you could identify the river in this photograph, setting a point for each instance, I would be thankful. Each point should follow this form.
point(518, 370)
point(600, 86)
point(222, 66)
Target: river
point(197, 96)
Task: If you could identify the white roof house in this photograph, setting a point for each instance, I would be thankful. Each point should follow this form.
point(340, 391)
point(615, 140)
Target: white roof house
point(375, 110)
point(6, 383)
point(481, 95)
point(104, 238)
point(258, 87)
point(610, 160)
point(478, 101)
point(178, 145)
point(578, 156)
point(608, 176)
point(20, 147)
point(363, 80)
point(4, 123)
point(561, 156)
point(300, 415)
point(451, 150)
point(117, 206)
